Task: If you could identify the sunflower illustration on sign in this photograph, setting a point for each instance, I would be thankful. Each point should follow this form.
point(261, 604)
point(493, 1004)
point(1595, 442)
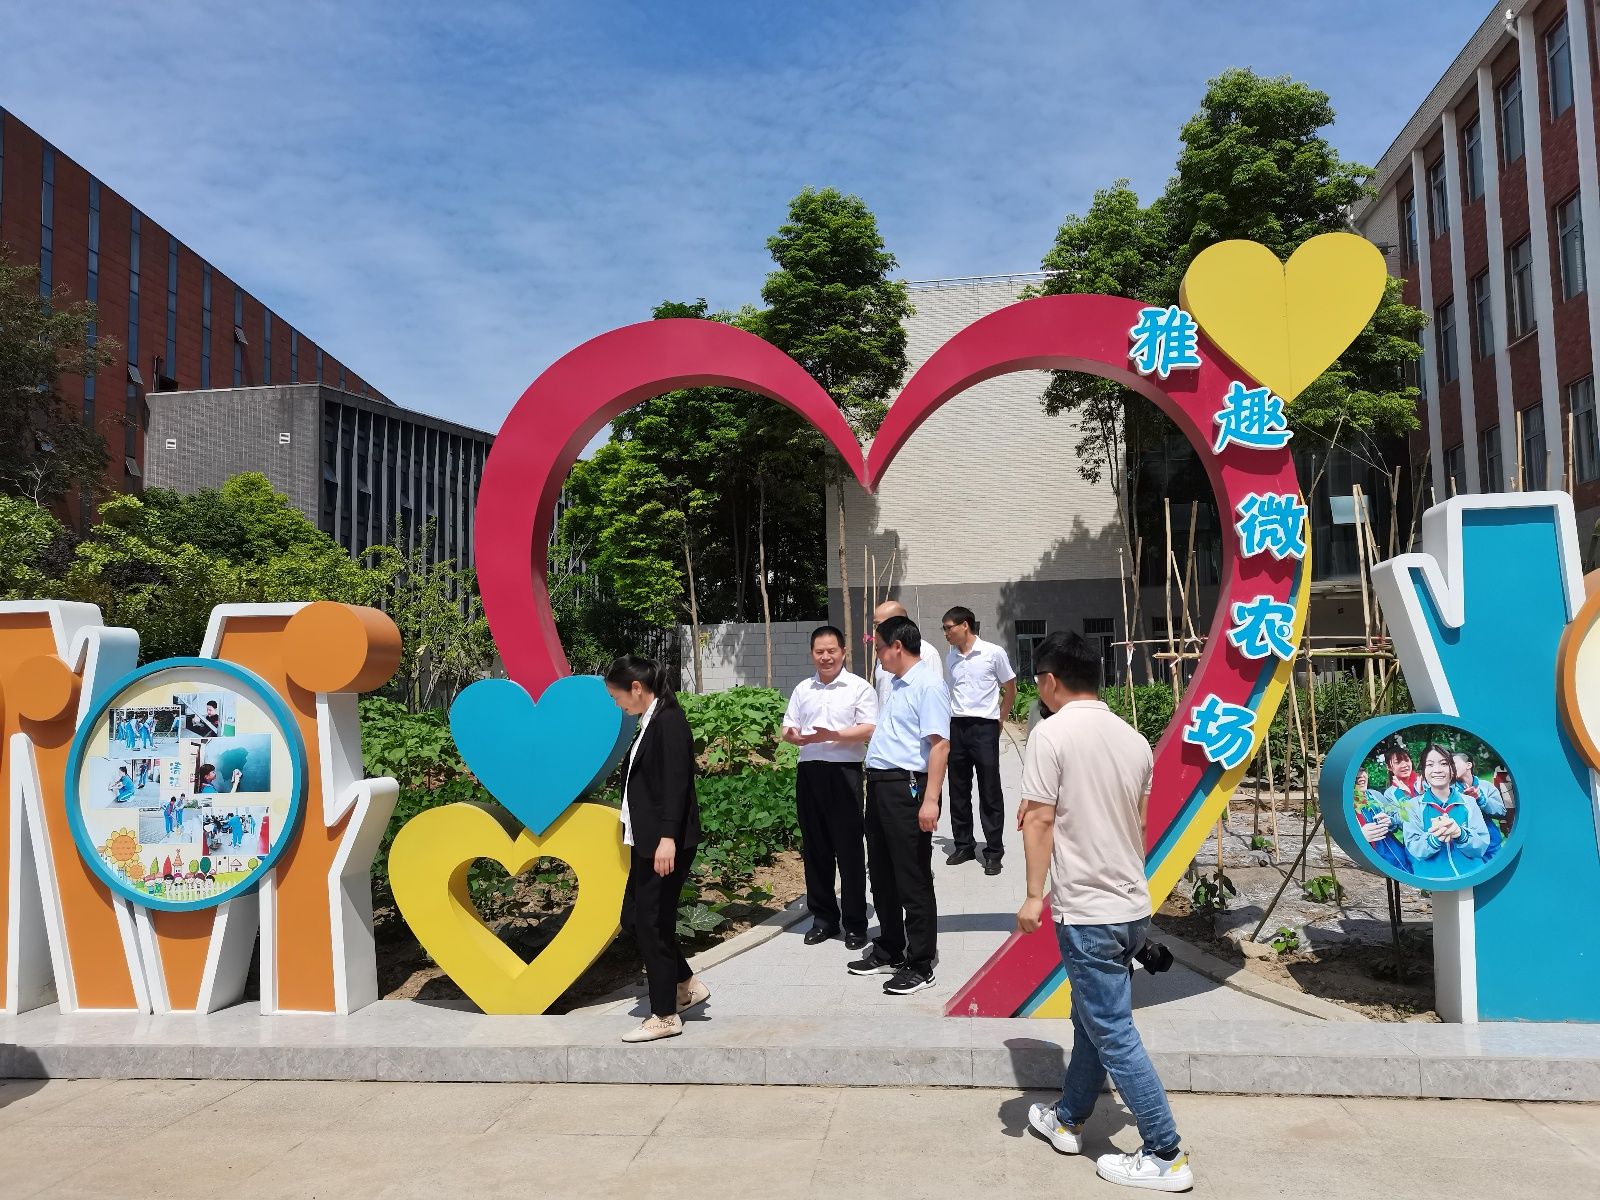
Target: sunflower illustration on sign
point(122, 850)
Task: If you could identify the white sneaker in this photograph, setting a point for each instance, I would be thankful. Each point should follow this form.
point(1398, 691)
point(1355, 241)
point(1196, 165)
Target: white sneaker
point(1146, 1171)
point(655, 1028)
point(1067, 1139)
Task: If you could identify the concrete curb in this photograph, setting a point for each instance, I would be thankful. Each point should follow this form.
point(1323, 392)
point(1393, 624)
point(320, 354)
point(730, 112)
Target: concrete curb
point(1242, 980)
point(404, 1041)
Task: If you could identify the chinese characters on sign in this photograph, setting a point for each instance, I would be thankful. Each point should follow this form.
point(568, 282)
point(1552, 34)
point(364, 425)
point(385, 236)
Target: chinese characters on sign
point(1165, 340)
point(1252, 418)
point(1263, 626)
point(1226, 732)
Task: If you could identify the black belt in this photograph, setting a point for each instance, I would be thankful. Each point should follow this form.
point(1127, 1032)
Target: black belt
point(990, 720)
point(892, 773)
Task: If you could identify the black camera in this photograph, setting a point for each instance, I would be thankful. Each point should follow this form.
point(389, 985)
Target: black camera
point(1154, 957)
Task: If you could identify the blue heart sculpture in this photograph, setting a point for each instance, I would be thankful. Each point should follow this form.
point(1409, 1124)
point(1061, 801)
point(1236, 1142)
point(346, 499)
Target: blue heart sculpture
point(536, 758)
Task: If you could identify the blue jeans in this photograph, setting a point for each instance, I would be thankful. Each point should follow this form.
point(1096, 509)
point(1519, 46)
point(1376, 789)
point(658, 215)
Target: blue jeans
point(1099, 960)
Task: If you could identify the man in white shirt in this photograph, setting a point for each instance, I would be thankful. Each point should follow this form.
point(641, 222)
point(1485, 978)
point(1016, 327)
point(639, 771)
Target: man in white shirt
point(983, 688)
point(830, 717)
point(882, 680)
point(1085, 785)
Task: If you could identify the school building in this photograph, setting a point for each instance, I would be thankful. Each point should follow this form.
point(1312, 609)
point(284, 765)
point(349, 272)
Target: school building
point(1482, 204)
point(183, 323)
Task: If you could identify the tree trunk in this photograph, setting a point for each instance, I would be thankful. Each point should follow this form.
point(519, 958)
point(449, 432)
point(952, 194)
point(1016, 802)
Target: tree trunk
point(844, 579)
point(694, 617)
point(761, 563)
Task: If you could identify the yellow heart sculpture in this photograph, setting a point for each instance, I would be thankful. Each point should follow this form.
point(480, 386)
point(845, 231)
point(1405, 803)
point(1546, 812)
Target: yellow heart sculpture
point(428, 867)
point(1285, 323)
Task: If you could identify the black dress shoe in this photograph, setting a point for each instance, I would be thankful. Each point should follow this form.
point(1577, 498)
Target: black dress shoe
point(819, 933)
point(991, 864)
point(854, 941)
point(957, 857)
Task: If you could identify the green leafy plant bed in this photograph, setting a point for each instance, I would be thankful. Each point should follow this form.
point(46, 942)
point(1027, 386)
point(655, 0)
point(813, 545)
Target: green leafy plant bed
point(748, 866)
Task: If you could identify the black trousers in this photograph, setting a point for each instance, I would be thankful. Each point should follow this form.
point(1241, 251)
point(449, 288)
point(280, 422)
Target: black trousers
point(828, 801)
point(975, 745)
point(650, 914)
point(900, 864)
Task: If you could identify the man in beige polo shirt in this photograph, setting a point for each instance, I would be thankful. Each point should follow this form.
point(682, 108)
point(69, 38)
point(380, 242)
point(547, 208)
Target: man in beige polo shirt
point(1085, 783)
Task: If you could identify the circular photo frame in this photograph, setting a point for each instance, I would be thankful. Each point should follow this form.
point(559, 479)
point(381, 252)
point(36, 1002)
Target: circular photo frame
point(1423, 799)
point(185, 783)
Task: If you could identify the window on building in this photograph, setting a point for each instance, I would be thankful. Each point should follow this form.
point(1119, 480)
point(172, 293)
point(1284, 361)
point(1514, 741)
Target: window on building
point(170, 364)
point(1558, 60)
point(93, 292)
point(205, 326)
point(1408, 222)
point(1101, 633)
point(266, 346)
point(133, 288)
point(1585, 432)
point(1455, 469)
point(1438, 200)
point(1489, 460)
point(1533, 451)
point(1569, 230)
point(1511, 118)
point(1519, 289)
point(238, 337)
point(1472, 156)
point(319, 364)
point(1482, 315)
point(47, 221)
point(1444, 328)
point(294, 356)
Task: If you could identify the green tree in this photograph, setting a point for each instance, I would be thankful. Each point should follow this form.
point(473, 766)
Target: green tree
point(35, 550)
point(444, 636)
point(46, 451)
point(1255, 164)
point(832, 306)
point(160, 562)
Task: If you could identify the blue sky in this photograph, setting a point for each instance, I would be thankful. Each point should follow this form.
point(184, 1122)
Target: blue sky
point(449, 196)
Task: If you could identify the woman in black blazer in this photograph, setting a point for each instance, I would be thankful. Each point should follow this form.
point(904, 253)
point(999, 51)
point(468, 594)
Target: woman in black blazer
point(661, 827)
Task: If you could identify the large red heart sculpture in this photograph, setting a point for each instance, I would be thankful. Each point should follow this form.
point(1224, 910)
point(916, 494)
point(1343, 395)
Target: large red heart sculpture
point(587, 388)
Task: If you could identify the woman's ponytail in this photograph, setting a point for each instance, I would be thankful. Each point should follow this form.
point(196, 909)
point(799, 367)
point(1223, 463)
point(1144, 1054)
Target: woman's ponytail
point(655, 677)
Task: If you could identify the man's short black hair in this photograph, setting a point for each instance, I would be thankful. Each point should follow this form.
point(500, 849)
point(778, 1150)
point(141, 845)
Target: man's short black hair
point(960, 615)
point(1074, 663)
point(903, 630)
point(827, 631)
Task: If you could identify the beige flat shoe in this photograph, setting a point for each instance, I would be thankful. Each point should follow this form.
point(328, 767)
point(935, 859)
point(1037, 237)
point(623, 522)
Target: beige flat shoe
point(699, 993)
point(654, 1029)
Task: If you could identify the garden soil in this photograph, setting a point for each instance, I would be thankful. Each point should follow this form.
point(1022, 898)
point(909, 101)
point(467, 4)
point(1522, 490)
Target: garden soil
point(405, 972)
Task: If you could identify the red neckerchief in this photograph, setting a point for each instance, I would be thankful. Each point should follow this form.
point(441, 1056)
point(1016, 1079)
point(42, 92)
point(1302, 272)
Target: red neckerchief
point(1410, 789)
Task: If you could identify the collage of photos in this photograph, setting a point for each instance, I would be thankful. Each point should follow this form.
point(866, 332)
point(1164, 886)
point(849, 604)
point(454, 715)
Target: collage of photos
point(1435, 802)
point(183, 801)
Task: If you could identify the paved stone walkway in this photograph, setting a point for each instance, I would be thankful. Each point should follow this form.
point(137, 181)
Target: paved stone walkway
point(785, 977)
point(354, 1141)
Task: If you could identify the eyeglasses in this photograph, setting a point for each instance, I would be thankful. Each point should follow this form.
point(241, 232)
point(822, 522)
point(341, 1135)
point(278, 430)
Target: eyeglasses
point(948, 628)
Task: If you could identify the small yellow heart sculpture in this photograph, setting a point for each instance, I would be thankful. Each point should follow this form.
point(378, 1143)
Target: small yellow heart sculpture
point(1285, 323)
point(428, 866)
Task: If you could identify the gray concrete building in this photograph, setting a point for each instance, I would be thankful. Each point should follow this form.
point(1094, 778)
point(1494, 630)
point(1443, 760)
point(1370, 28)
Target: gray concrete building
point(984, 505)
point(354, 465)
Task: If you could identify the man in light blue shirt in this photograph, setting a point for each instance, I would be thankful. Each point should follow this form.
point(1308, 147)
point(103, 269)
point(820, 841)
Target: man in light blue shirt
point(905, 767)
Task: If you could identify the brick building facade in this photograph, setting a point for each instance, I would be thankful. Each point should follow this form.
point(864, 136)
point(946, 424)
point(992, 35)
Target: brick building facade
point(182, 323)
point(1482, 204)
